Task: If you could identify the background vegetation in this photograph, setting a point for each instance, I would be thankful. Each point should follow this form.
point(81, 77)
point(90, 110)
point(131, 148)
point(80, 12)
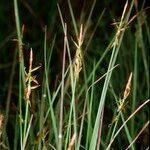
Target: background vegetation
point(72, 73)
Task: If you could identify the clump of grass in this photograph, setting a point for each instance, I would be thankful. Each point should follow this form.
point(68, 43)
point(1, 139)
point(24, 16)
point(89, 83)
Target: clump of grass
point(73, 114)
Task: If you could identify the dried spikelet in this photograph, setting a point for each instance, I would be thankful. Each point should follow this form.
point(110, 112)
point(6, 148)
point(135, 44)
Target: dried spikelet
point(121, 105)
point(70, 147)
point(42, 135)
point(23, 29)
point(1, 124)
point(78, 56)
point(30, 78)
point(128, 87)
point(77, 64)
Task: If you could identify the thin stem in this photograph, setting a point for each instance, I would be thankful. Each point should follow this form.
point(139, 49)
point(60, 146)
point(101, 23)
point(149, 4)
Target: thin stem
point(62, 92)
point(145, 126)
point(147, 101)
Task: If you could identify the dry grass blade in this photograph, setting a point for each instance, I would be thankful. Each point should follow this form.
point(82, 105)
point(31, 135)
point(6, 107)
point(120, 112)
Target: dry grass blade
point(1, 124)
point(141, 106)
point(2, 145)
point(145, 126)
point(70, 147)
